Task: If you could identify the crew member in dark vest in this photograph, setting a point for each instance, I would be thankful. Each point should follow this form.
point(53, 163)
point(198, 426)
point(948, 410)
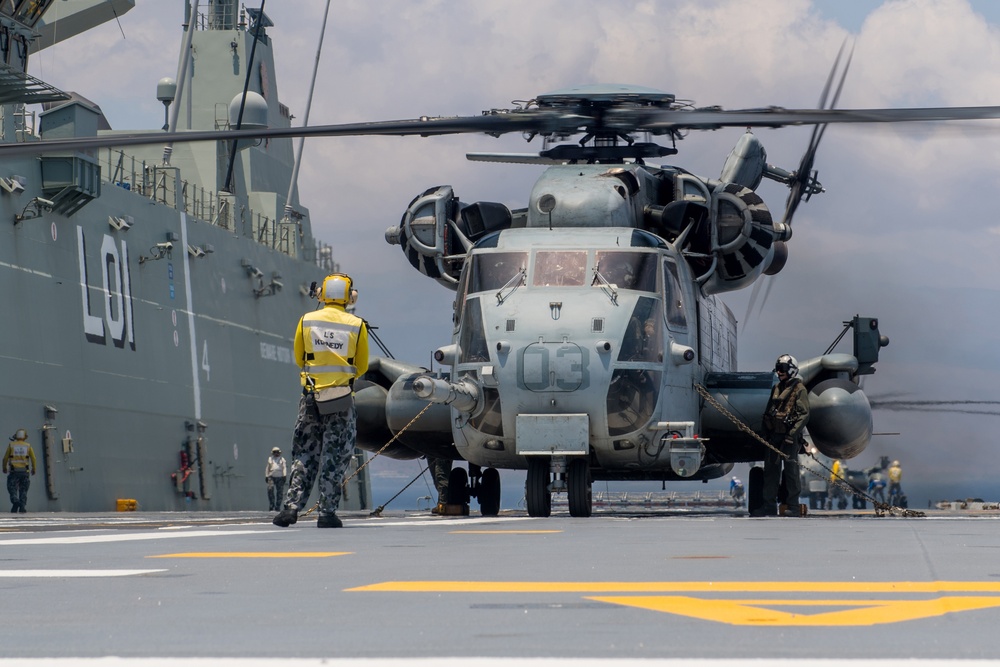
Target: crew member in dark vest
point(331, 348)
point(785, 419)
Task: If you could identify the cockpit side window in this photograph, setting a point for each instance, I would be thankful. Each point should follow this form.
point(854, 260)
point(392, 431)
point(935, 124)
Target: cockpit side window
point(560, 268)
point(673, 297)
point(493, 270)
point(643, 340)
point(629, 270)
point(463, 284)
point(472, 337)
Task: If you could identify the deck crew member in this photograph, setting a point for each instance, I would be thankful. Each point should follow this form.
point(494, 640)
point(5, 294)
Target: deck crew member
point(785, 418)
point(895, 480)
point(331, 348)
point(19, 460)
point(274, 474)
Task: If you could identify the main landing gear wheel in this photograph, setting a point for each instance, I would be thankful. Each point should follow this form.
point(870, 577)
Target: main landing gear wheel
point(458, 489)
point(579, 488)
point(537, 492)
point(489, 492)
point(755, 490)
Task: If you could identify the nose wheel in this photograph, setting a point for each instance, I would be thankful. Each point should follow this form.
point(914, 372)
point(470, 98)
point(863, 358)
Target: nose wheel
point(537, 494)
point(579, 488)
point(573, 478)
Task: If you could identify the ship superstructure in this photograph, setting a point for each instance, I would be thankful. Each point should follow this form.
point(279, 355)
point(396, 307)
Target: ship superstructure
point(151, 293)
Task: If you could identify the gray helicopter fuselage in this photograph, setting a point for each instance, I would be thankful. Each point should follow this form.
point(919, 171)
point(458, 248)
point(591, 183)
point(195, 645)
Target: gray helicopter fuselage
point(587, 341)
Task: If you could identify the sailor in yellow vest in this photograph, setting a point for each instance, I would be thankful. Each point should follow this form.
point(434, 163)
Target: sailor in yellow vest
point(895, 481)
point(331, 348)
point(20, 461)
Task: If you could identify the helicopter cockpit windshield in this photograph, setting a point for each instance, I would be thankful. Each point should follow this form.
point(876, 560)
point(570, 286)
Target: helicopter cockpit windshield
point(560, 268)
point(628, 270)
point(493, 271)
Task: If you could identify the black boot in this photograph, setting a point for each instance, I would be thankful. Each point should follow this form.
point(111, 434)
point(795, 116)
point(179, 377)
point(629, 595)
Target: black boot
point(13, 508)
point(22, 509)
point(285, 518)
point(329, 521)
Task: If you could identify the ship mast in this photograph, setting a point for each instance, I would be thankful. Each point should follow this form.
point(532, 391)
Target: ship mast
point(305, 122)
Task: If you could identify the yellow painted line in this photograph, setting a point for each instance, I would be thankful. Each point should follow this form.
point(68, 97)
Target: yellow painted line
point(756, 612)
point(598, 587)
point(503, 532)
point(255, 554)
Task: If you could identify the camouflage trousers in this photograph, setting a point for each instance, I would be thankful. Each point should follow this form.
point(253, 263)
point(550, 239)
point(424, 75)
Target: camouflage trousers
point(322, 446)
point(275, 492)
point(17, 486)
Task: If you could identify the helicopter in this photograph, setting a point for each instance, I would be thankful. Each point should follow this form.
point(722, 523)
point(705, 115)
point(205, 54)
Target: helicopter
point(589, 339)
point(584, 322)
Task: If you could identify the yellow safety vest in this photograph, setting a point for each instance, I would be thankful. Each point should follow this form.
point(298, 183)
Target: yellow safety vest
point(19, 456)
point(331, 347)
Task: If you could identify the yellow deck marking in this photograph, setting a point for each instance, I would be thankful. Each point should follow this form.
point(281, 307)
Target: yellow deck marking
point(765, 611)
point(755, 612)
point(598, 587)
point(503, 532)
point(255, 554)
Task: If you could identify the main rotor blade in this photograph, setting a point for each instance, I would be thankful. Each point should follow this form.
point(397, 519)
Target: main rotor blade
point(667, 120)
point(535, 120)
point(804, 173)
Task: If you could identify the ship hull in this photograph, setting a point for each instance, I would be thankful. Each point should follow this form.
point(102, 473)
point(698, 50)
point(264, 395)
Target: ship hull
point(116, 362)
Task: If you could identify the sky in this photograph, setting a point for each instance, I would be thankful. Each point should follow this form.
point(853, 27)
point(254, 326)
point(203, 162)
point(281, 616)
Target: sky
point(907, 230)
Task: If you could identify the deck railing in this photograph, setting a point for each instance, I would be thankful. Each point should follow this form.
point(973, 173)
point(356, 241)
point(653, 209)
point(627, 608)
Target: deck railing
point(164, 185)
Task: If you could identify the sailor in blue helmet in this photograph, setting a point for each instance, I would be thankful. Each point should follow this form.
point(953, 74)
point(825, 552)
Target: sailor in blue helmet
point(785, 419)
point(331, 348)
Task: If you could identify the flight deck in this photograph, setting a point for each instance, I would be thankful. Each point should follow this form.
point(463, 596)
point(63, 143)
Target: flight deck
point(662, 586)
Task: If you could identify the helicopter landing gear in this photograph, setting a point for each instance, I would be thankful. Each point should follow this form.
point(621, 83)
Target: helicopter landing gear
point(489, 492)
point(755, 490)
point(537, 493)
point(578, 488)
point(477, 483)
point(458, 491)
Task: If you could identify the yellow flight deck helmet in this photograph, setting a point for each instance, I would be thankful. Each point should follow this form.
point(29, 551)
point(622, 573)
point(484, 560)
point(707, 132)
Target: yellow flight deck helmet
point(338, 289)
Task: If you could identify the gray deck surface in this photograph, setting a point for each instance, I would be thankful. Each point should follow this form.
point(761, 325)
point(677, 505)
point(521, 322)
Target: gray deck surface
point(666, 585)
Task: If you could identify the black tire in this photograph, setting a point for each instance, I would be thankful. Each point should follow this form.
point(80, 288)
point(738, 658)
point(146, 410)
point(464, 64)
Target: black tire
point(537, 494)
point(755, 489)
point(579, 488)
point(489, 492)
point(458, 487)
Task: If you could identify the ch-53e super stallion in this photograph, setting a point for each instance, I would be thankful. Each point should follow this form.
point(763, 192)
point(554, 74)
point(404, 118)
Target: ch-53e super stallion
point(589, 339)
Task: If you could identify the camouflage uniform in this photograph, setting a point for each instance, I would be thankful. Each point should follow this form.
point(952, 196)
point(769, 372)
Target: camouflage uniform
point(19, 459)
point(323, 444)
point(331, 348)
